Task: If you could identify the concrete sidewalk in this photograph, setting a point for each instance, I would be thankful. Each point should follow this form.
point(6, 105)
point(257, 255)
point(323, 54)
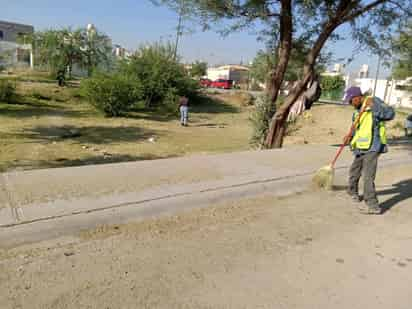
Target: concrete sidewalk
point(147, 188)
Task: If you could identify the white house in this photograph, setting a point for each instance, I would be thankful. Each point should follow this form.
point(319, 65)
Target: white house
point(398, 95)
point(237, 73)
point(12, 52)
point(338, 70)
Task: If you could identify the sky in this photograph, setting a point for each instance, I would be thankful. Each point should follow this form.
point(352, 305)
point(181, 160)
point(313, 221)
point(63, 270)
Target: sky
point(132, 23)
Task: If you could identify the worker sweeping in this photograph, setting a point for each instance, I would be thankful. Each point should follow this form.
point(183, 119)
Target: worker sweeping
point(367, 141)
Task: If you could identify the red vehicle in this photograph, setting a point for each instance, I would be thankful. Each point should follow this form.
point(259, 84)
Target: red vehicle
point(222, 83)
point(205, 82)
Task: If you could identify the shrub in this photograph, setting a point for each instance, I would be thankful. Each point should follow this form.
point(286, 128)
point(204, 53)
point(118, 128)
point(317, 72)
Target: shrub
point(198, 69)
point(170, 102)
point(260, 119)
point(111, 94)
point(7, 90)
point(160, 74)
point(332, 87)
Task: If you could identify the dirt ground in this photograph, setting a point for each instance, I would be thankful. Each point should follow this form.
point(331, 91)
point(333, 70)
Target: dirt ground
point(327, 124)
point(312, 250)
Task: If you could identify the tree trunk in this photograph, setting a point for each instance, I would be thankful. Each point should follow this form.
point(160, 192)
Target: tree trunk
point(278, 73)
point(277, 128)
point(278, 122)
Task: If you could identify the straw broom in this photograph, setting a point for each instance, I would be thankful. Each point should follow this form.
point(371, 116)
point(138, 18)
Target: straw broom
point(324, 177)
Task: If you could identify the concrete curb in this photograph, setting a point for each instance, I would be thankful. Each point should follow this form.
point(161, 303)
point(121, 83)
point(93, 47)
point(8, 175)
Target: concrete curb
point(46, 221)
point(12, 215)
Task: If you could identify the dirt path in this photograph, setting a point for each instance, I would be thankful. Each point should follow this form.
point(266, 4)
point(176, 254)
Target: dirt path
point(308, 251)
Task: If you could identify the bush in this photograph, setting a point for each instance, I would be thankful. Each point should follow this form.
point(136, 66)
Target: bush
point(160, 75)
point(260, 119)
point(332, 87)
point(7, 91)
point(198, 69)
point(111, 94)
point(170, 102)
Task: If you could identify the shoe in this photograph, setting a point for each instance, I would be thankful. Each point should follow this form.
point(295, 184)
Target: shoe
point(374, 211)
point(369, 210)
point(354, 197)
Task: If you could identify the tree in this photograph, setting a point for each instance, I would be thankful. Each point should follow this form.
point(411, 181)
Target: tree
point(61, 49)
point(97, 50)
point(70, 44)
point(332, 87)
point(47, 51)
point(184, 10)
point(161, 76)
point(198, 69)
point(264, 61)
point(403, 50)
point(311, 21)
point(58, 49)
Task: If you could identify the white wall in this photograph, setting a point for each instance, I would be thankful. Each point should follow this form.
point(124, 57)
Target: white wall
point(386, 90)
point(397, 97)
point(10, 51)
point(368, 85)
point(217, 73)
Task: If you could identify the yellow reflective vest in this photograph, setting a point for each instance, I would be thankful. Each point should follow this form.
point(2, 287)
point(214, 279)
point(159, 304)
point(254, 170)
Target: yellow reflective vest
point(363, 137)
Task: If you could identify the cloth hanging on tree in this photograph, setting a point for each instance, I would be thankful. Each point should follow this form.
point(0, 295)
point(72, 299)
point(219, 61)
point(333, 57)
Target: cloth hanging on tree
point(297, 108)
point(306, 100)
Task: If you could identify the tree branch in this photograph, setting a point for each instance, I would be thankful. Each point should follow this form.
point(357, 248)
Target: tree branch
point(400, 7)
point(363, 10)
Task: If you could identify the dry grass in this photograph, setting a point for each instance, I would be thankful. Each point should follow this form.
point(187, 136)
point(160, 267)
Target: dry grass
point(328, 124)
point(36, 133)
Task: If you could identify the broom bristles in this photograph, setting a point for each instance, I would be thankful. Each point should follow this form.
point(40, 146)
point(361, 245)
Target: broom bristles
point(323, 179)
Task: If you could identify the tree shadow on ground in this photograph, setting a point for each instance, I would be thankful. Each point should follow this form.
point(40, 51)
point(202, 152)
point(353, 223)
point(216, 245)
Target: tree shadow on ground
point(28, 109)
point(152, 115)
point(91, 160)
point(88, 134)
point(210, 125)
point(206, 104)
point(202, 104)
point(340, 188)
point(402, 191)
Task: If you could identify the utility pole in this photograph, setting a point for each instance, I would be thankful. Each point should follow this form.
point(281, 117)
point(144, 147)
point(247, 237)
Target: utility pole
point(377, 75)
point(179, 30)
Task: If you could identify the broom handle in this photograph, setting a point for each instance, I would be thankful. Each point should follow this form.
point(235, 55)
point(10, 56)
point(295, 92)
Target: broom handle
point(352, 128)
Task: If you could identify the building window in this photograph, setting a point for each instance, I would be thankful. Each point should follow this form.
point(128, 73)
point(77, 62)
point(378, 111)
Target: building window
point(1, 35)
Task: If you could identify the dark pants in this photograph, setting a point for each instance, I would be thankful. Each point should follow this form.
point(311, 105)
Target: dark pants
point(364, 165)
